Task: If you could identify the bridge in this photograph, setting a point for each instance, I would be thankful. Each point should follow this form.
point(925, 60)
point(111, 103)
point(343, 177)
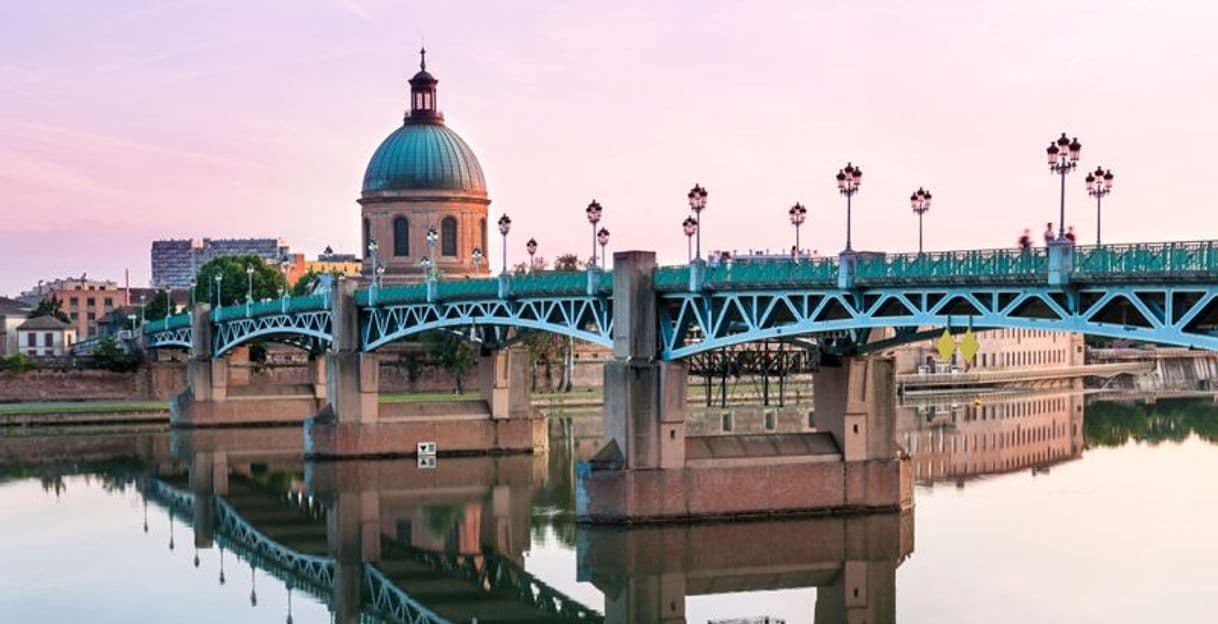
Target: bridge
point(654, 318)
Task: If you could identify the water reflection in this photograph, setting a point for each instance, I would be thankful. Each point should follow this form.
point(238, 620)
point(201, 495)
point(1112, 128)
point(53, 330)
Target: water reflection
point(393, 541)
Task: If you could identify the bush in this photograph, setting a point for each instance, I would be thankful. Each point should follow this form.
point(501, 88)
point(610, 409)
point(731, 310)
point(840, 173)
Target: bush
point(17, 363)
point(110, 356)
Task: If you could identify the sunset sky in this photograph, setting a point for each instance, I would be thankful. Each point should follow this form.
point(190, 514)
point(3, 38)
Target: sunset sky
point(123, 122)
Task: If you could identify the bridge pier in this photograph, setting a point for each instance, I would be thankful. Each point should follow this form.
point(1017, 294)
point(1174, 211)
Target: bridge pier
point(649, 470)
point(647, 573)
point(353, 423)
point(211, 401)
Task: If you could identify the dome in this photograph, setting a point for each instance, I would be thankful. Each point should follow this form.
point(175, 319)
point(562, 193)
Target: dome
point(424, 156)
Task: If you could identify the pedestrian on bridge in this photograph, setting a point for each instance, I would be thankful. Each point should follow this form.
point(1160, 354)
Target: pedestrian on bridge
point(1049, 233)
point(1025, 241)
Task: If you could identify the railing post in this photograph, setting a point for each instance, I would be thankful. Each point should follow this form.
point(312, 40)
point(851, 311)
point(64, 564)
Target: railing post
point(594, 280)
point(845, 269)
point(505, 287)
point(697, 274)
point(433, 288)
point(1061, 262)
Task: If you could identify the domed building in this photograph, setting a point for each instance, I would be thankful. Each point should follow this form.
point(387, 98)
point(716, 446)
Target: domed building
point(424, 176)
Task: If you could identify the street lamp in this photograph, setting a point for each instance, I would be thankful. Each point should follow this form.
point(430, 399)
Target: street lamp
point(193, 285)
point(848, 181)
point(432, 238)
point(531, 247)
point(593, 211)
point(697, 203)
point(1099, 184)
point(1063, 158)
point(249, 278)
point(798, 215)
point(505, 226)
point(602, 237)
point(141, 309)
point(219, 280)
point(690, 227)
point(372, 253)
point(380, 276)
point(920, 202)
point(476, 256)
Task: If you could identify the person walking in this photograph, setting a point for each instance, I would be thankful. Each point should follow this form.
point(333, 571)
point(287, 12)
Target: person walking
point(1025, 241)
point(1048, 233)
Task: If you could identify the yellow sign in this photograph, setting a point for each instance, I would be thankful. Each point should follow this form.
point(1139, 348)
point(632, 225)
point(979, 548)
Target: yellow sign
point(946, 346)
point(969, 346)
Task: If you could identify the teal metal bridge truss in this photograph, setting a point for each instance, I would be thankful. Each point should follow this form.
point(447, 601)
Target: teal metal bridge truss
point(1163, 292)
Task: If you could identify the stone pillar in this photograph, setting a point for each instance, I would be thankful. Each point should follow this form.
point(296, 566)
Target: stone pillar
point(317, 376)
point(503, 379)
point(1061, 262)
point(353, 537)
point(202, 485)
point(659, 598)
point(644, 398)
point(352, 377)
point(206, 377)
point(856, 402)
point(864, 591)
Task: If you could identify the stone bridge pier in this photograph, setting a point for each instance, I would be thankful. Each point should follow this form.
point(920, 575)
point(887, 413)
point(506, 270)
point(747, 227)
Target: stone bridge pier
point(212, 400)
point(208, 475)
point(647, 573)
point(353, 423)
point(649, 470)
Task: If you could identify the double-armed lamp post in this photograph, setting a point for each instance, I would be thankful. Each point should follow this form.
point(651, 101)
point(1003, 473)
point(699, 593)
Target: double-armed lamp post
point(1063, 158)
point(593, 212)
point(602, 237)
point(531, 247)
point(1099, 184)
point(798, 215)
point(690, 227)
point(697, 203)
point(505, 226)
point(920, 202)
point(848, 181)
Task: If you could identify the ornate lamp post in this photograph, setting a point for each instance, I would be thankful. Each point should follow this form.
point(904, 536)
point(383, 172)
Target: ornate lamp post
point(372, 253)
point(476, 256)
point(141, 310)
point(505, 226)
point(697, 203)
point(531, 247)
point(193, 285)
point(690, 227)
point(219, 283)
point(249, 287)
point(1099, 184)
point(432, 238)
point(380, 276)
point(848, 181)
point(1063, 158)
point(920, 202)
point(602, 237)
point(593, 212)
point(798, 215)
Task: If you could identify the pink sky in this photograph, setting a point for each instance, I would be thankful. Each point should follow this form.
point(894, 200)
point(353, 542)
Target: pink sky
point(122, 122)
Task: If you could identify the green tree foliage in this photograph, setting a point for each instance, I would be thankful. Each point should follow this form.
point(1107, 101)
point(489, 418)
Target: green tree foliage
point(568, 262)
point(452, 353)
point(50, 306)
point(159, 307)
point(110, 356)
point(267, 279)
point(17, 363)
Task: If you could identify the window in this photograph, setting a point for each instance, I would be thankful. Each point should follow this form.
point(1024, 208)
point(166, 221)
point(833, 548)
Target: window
point(482, 234)
point(91, 302)
point(448, 236)
point(401, 236)
point(92, 317)
point(367, 236)
point(48, 339)
point(726, 422)
point(31, 339)
point(109, 302)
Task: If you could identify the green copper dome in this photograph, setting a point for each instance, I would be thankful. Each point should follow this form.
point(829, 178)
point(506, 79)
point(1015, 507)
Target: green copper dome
point(424, 156)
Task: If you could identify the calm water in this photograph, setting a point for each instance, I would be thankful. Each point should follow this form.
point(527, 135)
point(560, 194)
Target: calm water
point(1028, 509)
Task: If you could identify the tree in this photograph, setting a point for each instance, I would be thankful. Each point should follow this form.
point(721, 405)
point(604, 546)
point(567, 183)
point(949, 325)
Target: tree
point(110, 356)
point(50, 306)
point(159, 307)
point(568, 262)
point(267, 279)
point(452, 353)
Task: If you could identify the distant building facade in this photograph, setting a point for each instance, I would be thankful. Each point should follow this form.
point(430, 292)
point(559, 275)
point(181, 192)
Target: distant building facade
point(12, 314)
point(326, 262)
point(176, 261)
point(45, 336)
point(85, 301)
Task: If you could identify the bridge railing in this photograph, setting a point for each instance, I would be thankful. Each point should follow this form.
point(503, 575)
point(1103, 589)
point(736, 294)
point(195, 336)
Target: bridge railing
point(539, 283)
point(1143, 258)
point(1019, 264)
point(271, 307)
point(176, 321)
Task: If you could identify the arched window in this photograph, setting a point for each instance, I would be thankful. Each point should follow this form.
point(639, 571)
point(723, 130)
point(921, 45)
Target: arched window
point(367, 236)
point(448, 236)
point(482, 235)
point(401, 236)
